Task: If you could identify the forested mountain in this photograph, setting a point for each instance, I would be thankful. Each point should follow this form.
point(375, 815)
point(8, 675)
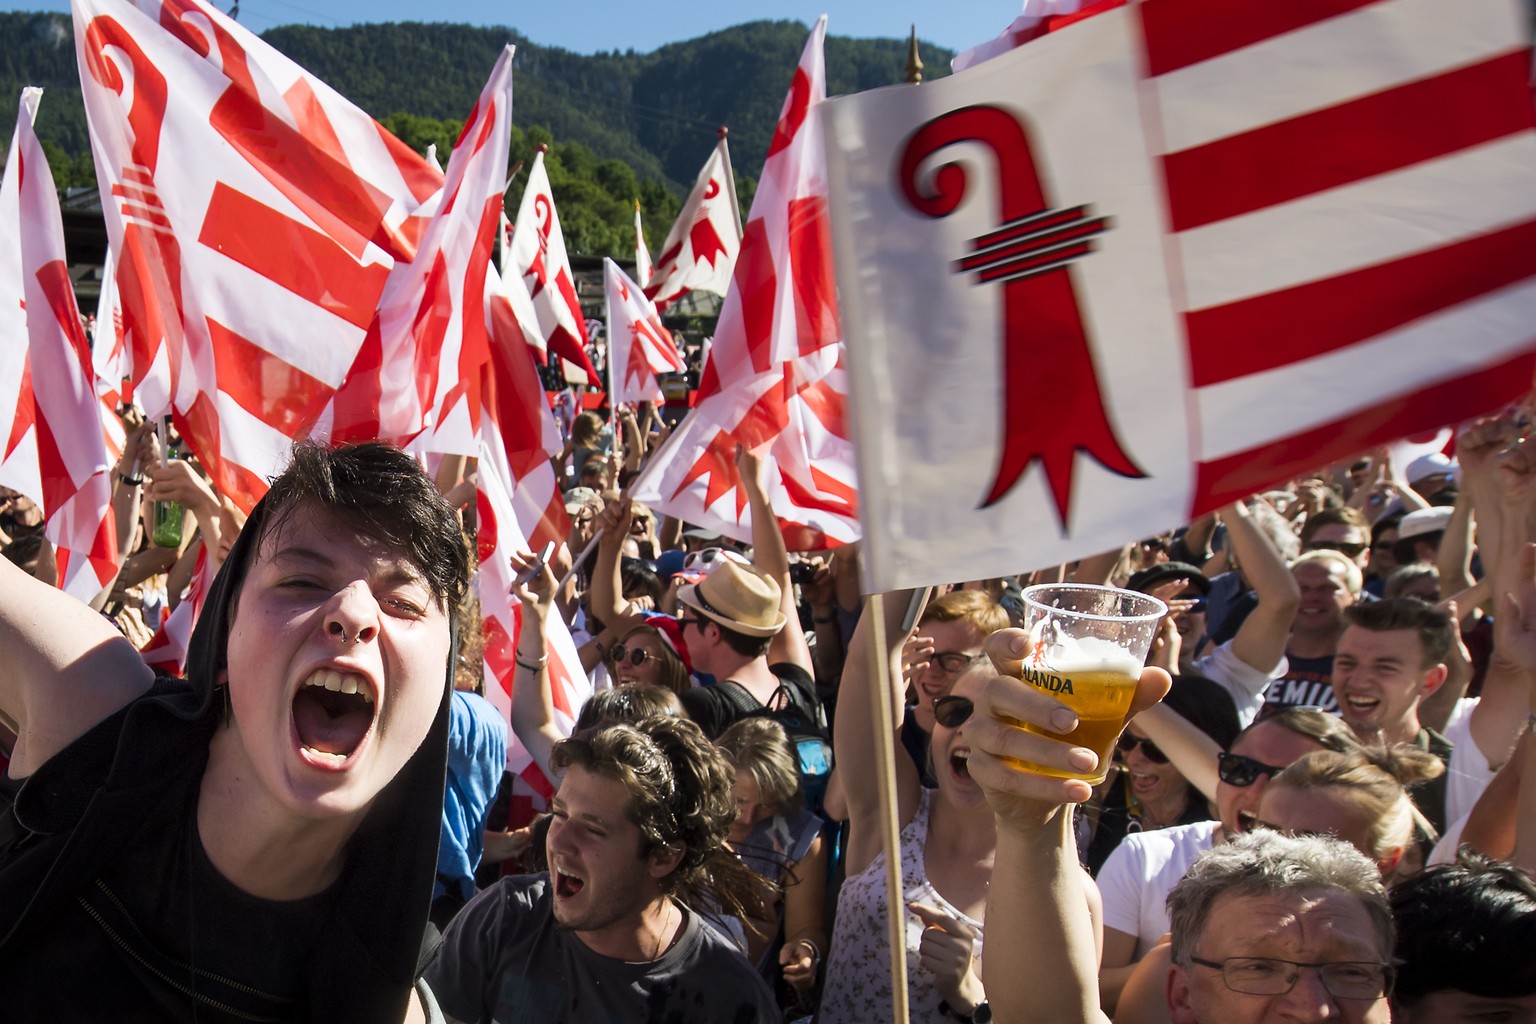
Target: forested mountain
point(619, 124)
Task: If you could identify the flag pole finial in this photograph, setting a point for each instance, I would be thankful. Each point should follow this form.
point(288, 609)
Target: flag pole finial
point(914, 61)
point(722, 132)
point(542, 147)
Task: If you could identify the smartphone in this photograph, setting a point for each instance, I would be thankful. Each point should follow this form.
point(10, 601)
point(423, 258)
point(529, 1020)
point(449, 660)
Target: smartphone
point(537, 565)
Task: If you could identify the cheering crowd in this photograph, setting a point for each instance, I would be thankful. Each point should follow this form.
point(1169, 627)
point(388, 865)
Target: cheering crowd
point(1329, 814)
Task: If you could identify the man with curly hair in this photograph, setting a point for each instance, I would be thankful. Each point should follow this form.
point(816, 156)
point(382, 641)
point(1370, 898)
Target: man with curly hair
point(612, 930)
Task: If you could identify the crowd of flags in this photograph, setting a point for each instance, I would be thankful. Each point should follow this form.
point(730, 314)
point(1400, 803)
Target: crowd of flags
point(1105, 278)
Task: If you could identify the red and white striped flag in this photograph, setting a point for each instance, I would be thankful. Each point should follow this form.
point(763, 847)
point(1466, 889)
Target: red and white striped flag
point(500, 532)
point(167, 650)
point(775, 381)
point(420, 362)
point(642, 254)
point(518, 412)
point(701, 249)
point(639, 347)
point(55, 442)
point(255, 215)
point(538, 256)
point(1170, 256)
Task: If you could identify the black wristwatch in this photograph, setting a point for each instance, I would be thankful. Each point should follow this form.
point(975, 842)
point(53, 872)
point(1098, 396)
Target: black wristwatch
point(982, 1014)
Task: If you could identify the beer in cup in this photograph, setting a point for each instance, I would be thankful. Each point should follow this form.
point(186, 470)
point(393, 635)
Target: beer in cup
point(1087, 645)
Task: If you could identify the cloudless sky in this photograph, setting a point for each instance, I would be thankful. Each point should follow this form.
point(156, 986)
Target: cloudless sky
point(587, 26)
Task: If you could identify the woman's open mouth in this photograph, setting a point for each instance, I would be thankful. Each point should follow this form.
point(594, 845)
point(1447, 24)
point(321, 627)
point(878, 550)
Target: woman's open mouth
point(332, 715)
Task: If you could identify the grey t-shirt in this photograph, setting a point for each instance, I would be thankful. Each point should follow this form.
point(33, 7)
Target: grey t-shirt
point(504, 960)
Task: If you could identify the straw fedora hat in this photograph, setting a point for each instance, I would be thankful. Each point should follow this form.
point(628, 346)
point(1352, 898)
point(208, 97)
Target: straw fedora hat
point(743, 598)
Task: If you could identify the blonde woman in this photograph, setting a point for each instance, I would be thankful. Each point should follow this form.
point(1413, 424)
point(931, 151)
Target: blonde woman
point(776, 836)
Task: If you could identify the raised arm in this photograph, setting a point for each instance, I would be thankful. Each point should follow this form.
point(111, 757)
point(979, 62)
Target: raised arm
point(1260, 641)
point(770, 555)
point(1043, 965)
point(533, 705)
point(853, 740)
point(63, 668)
point(1495, 721)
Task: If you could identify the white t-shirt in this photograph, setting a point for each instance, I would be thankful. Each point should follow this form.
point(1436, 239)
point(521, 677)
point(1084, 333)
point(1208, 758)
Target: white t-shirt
point(1137, 878)
point(1245, 683)
point(1469, 770)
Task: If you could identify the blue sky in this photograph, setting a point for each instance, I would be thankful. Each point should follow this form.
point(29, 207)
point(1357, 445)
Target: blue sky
point(586, 26)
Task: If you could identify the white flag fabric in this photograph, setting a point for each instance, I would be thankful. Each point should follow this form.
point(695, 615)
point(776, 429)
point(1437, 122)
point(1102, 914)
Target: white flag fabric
point(642, 254)
point(775, 381)
point(538, 256)
point(255, 215)
point(518, 412)
point(701, 249)
point(1035, 20)
point(1170, 256)
point(420, 362)
point(499, 534)
point(639, 347)
point(55, 440)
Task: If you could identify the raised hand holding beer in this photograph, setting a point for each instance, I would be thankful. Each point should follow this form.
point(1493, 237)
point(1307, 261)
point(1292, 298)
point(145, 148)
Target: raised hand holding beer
point(1018, 726)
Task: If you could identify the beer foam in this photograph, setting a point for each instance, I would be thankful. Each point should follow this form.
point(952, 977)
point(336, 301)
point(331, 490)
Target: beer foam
point(1090, 654)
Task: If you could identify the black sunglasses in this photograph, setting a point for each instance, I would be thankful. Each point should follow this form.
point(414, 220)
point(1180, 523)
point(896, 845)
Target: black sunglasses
point(1342, 547)
point(1149, 750)
point(637, 655)
point(952, 712)
point(1242, 772)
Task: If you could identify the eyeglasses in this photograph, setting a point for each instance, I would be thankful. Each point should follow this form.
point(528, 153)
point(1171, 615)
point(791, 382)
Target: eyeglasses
point(1149, 750)
point(1242, 772)
point(952, 712)
point(1342, 547)
point(1268, 976)
point(637, 655)
point(684, 621)
point(951, 662)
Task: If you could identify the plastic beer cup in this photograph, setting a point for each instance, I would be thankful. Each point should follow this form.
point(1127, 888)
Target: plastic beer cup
point(1087, 645)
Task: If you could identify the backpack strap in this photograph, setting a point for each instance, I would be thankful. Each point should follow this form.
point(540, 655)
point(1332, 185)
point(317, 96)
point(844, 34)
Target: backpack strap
point(739, 697)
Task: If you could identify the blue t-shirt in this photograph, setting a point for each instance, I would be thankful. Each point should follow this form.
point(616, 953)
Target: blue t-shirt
point(477, 756)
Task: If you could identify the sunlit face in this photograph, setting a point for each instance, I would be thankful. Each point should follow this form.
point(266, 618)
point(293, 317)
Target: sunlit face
point(602, 881)
point(953, 641)
point(951, 751)
point(337, 662)
point(1330, 534)
point(1150, 782)
point(649, 671)
point(1307, 927)
point(1378, 678)
point(1267, 743)
point(1324, 595)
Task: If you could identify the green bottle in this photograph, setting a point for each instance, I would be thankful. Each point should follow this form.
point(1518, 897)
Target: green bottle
point(168, 517)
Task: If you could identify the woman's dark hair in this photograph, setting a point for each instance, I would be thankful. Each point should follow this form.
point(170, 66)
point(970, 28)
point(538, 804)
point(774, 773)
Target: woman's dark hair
point(1468, 926)
point(383, 493)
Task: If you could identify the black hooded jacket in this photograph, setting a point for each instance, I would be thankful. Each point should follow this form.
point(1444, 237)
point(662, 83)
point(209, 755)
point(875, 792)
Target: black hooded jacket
point(67, 943)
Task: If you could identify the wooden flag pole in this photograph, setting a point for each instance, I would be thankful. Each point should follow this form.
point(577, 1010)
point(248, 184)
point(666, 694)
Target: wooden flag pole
point(890, 830)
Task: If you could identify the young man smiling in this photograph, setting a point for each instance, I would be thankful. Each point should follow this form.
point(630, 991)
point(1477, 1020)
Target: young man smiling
point(256, 841)
point(1390, 656)
point(612, 930)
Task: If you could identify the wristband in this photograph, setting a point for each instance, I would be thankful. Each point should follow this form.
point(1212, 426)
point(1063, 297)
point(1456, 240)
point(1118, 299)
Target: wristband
point(531, 667)
point(131, 481)
point(820, 621)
